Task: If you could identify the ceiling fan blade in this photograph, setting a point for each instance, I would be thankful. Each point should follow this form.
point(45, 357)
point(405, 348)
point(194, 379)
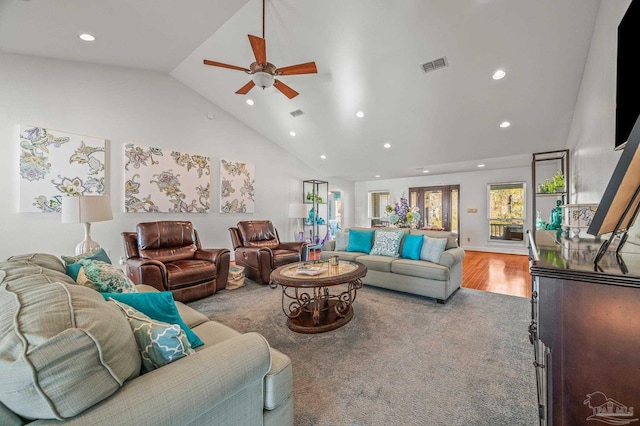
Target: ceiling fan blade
point(306, 68)
point(286, 90)
point(259, 47)
point(245, 89)
point(220, 64)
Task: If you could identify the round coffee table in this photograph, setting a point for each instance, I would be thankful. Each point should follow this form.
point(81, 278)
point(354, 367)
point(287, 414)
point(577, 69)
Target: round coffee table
point(306, 300)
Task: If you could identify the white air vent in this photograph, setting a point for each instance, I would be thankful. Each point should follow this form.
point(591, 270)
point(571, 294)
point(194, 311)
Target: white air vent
point(434, 65)
point(297, 113)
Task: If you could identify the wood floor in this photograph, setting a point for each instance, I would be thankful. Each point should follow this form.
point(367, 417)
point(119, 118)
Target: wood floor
point(497, 273)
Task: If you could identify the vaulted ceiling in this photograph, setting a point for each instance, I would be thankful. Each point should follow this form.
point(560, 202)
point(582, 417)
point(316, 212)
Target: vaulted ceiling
point(368, 54)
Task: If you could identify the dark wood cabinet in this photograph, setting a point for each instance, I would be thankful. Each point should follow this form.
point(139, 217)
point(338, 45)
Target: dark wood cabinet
point(585, 331)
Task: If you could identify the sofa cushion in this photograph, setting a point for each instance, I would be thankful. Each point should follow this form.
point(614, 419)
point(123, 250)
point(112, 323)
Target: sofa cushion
point(43, 267)
point(159, 343)
point(159, 306)
point(386, 243)
point(377, 263)
point(421, 269)
point(412, 246)
point(432, 248)
point(342, 255)
point(278, 381)
point(104, 277)
point(62, 347)
point(360, 241)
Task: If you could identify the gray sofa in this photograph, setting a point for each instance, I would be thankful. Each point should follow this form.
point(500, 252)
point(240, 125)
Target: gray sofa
point(233, 379)
point(435, 280)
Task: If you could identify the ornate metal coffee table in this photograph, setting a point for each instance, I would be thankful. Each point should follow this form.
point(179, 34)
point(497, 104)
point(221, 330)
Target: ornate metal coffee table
point(306, 299)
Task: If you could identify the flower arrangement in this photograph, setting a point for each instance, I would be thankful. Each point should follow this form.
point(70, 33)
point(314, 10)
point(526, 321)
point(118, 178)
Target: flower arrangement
point(402, 215)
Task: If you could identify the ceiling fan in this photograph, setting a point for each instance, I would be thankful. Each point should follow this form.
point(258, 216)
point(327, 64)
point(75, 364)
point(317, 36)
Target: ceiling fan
point(264, 73)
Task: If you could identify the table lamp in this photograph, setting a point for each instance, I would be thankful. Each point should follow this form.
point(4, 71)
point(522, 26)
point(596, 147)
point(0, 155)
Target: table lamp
point(298, 211)
point(86, 209)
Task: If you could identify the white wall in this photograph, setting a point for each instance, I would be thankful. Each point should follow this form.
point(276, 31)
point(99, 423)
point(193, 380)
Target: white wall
point(591, 138)
point(129, 106)
point(474, 227)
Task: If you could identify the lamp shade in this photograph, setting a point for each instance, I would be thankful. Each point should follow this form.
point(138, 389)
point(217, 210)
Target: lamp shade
point(86, 209)
point(297, 211)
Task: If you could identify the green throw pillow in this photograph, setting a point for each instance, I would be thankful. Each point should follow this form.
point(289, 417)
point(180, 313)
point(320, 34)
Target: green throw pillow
point(105, 277)
point(159, 343)
point(386, 243)
point(412, 247)
point(159, 306)
point(432, 248)
point(360, 241)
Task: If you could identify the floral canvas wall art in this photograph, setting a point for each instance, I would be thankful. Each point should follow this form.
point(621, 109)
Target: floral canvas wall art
point(55, 163)
point(164, 181)
point(237, 187)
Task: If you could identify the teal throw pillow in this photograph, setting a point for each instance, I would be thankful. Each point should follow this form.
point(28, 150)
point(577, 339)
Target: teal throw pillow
point(72, 270)
point(159, 306)
point(360, 241)
point(412, 247)
point(159, 343)
point(432, 248)
point(105, 277)
point(386, 243)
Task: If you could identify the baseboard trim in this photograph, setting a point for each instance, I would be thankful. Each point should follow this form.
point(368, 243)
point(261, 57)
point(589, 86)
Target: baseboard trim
point(504, 250)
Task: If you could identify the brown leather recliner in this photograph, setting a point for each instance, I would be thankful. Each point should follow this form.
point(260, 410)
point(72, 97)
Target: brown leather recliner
point(257, 247)
point(167, 255)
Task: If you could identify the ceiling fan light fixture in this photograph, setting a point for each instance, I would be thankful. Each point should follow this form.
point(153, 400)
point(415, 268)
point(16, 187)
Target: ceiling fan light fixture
point(262, 79)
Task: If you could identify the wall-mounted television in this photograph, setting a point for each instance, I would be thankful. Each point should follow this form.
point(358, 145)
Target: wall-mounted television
point(627, 76)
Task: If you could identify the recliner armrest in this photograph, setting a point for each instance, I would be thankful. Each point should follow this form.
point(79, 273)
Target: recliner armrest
point(212, 255)
point(293, 246)
point(143, 271)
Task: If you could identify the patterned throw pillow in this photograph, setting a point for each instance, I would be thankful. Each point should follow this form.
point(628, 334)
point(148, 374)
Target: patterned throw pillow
point(386, 243)
point(73, 267)
point(159, 343)
point(104, 277)
point(159, 306)
point(432, 248)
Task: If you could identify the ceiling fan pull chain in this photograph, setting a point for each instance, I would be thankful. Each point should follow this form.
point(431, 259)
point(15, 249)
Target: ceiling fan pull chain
point(263, 1)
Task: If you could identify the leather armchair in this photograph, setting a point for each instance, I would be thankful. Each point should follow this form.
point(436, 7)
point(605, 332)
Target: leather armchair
point(167, 255)
point(257, 247)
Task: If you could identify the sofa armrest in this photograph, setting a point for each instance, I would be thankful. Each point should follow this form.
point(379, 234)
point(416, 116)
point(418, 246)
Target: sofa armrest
point(181, 392)
point(451, 257)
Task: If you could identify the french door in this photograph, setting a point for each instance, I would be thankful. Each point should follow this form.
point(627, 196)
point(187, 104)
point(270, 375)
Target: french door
point(439, 206)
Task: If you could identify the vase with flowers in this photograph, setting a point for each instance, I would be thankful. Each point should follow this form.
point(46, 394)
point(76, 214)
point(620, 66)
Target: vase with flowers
point(402, 215)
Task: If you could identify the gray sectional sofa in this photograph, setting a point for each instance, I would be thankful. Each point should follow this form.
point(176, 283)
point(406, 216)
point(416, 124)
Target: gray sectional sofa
point(438, 280)
point(69, 357)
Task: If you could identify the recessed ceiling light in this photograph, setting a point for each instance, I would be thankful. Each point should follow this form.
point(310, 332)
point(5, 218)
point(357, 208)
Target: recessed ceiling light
point(86, 37)
point(425, 171)
point(480, 165)
point(377, 176)
point(505, 124)
point(292, 133)
point(387, 145)
point(499, 74)
point(359, 114)
point(250, 102)
point(324, 157)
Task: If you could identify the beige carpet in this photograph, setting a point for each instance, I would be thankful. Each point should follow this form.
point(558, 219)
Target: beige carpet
point(402, 360)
